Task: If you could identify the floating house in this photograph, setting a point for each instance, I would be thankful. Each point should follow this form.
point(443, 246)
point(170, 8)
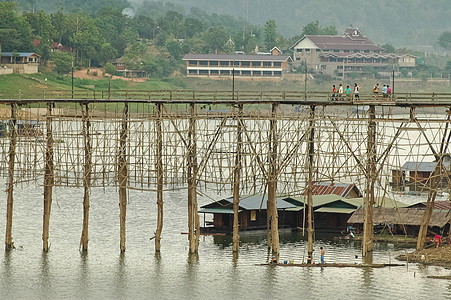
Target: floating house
point(416, 175)
point(402, 219)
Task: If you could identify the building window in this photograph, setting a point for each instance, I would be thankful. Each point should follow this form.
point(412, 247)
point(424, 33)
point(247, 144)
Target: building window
point(356, 51)
point(326, 50)
point(256, 63)
point(213, 63)
point(366, 51)
point(298, 50)
point(307, 50)
point(203, 63)
point(192, 72)
point(277, 64)
point(266, 64)
point(318, 50)
point(224, 63)
point(298, 58)
point(340, 59)
point(246, 73)
point(346, 51)
point(245, 63)
point(267, 73)
point(193, 62)
point(257, 73)
point(225, 72)
point(277, 73)
point(332, 59)
point(214, 72)
point(336, 50)
point(203, 72)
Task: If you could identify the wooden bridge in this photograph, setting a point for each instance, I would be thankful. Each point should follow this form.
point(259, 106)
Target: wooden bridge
point(229, 142)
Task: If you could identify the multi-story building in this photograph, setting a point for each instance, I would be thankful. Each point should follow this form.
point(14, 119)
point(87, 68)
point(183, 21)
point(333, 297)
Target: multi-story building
point(349, 53)
point(221, 65)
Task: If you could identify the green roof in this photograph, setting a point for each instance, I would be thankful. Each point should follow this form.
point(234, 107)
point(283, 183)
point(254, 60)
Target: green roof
point(318, 200)
point(217, 210)
point(336, 210)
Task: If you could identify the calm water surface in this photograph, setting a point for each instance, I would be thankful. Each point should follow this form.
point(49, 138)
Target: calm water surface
point(103, 273)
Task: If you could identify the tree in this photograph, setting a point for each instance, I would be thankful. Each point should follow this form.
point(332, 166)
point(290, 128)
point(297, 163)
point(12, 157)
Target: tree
point(444, 40)
point(270, 34)
point(448, 67)
point(62, 62)
point(389, 48)
point(215, 39)
point(110, 68)
point(174, 49)
point(314, 28)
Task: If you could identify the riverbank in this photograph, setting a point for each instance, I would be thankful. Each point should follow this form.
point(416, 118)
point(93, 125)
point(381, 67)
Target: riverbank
point(440, 256)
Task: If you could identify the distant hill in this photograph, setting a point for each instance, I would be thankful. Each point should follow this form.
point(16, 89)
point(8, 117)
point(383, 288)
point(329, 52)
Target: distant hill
point(410, 23)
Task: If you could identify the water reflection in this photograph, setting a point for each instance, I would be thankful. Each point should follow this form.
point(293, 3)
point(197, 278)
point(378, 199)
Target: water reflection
point(120, 278)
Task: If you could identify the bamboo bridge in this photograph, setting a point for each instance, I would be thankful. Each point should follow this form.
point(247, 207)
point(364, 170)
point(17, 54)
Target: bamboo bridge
point(273, 142)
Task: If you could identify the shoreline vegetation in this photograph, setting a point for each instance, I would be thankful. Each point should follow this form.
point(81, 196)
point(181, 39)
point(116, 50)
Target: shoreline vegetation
point(440, 256)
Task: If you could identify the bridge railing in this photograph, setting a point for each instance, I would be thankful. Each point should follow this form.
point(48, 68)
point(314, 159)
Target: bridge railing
point(184, 96)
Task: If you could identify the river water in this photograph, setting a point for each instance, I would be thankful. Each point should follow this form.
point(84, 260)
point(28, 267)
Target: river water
point(103, 273)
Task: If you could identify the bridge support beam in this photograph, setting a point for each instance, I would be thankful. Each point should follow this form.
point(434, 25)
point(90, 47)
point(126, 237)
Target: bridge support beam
point(272, 182)
point(159, 160)
point(10, 187)
point(311, 153)
point(123, 176)
point(48, 179)
point(86, 175)
point(193, 216)
point(236, 181)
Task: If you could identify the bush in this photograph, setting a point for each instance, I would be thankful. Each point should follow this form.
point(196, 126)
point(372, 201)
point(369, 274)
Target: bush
point(110, 69)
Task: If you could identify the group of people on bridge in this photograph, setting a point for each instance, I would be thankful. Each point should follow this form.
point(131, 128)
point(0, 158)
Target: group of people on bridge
point(340, 94)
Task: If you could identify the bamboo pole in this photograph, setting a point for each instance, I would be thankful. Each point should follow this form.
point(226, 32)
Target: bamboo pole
point(48, 179)
point(159, 180)
point(193, 216)
point(272, 183)
point(311, 151)
point(10, 187)
point(236, 182)
point(123, 175)
point(86, 176)
point(368, 229)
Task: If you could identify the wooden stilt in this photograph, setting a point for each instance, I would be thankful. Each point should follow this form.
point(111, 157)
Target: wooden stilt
point(272, 183)
point(159, 179)
point(86, 176)
point(123, 176)
point(311, 152)
point(368, 229)
point(193, 216)
point(236, 182)
point(10, 187)
point(48, 179)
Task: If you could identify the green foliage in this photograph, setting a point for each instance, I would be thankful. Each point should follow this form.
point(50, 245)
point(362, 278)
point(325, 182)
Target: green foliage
point(175, 49)
point(314, 28)
point(389, 48)
point(448, 66)
point(110, 68)
point(444, 40)
point(215, 39)
point(62, 62)
point(270, 34)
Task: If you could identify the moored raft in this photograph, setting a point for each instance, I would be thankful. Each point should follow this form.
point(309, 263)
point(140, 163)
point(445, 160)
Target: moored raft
point(335, 265)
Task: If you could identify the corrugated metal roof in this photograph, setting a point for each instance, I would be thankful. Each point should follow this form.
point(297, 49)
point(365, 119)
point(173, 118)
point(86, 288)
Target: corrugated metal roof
point(19, 54)
point(320, 200)
point(427, 166)
point(335, 210)
point(380, 201)
point(238, 57)
point(251, 202)
point(443, 205)
point(337, 188)
point(405, 216)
